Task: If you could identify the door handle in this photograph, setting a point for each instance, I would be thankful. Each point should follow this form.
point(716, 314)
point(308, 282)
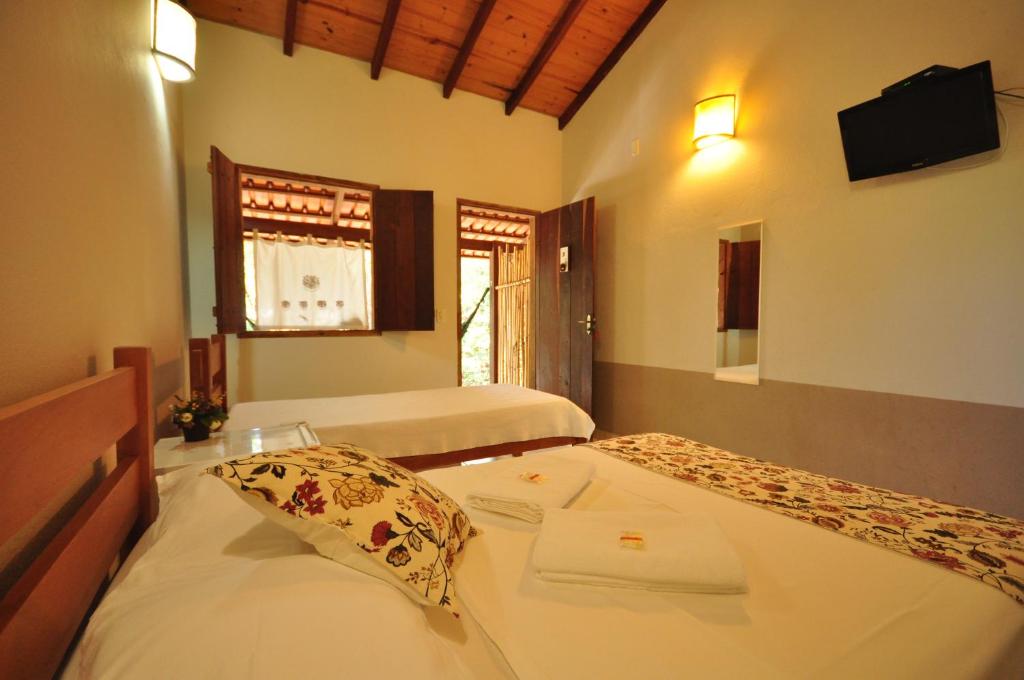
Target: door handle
point(591, 323)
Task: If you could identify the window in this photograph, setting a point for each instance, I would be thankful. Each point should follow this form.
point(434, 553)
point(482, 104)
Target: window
point(302, 254)
point(296, 279)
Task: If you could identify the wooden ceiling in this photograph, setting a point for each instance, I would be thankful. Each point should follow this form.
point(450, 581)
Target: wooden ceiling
point(543, 55)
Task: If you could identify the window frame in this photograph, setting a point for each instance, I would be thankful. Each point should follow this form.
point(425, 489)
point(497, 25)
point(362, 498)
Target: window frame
point(402, 237)
point(225, 257)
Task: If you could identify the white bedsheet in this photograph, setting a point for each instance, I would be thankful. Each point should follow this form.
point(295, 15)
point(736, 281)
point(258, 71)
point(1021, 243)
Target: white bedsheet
point(425, 421)
point(215, 591)
point(820, 605)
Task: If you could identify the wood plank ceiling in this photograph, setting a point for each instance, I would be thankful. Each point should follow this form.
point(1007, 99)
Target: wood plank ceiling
point(543, 55)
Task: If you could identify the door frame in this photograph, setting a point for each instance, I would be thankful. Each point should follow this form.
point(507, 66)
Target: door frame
point(459, 203)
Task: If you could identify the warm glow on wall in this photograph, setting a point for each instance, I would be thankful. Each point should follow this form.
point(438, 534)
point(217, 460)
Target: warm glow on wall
point(174, 41)
point(714, 120)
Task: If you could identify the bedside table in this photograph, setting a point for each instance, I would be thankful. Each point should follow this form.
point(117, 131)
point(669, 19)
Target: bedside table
point(174, 452)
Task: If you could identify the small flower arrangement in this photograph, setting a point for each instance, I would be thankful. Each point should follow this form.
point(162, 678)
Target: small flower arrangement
point(199, 416)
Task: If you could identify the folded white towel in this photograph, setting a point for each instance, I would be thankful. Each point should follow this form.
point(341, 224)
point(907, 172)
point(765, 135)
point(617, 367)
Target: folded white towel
point(644, 550)
point(526, 487)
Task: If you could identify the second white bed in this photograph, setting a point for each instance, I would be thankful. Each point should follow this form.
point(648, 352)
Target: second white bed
point(421, 422)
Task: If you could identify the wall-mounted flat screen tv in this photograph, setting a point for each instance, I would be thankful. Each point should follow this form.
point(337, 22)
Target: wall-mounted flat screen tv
point(922, 122)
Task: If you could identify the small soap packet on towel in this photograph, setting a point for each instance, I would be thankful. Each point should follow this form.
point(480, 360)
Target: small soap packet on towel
point(634, 540)
point(649, 550)
point(526, 487)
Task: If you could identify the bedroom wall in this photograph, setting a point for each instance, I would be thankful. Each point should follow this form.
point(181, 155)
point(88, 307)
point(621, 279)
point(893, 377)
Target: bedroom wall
point(321, 113)
point(892, 322)
point(91, 255)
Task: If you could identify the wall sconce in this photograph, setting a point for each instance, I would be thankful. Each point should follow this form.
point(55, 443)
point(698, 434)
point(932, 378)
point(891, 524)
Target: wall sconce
point(714, 120)
point(174, 41)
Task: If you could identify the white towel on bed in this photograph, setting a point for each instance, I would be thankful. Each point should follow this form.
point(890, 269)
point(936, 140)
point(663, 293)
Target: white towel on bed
point(644, 550)
point(527, 487)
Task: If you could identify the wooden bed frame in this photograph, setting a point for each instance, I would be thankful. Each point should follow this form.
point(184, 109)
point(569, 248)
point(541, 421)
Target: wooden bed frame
point(207, 365)
point(45, 444)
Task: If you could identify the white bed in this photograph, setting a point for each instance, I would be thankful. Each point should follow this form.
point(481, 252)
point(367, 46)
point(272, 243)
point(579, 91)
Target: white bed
point(230, 595)
point(400, 424)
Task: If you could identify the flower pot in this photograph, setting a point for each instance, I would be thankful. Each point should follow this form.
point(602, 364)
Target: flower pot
point(196, 433)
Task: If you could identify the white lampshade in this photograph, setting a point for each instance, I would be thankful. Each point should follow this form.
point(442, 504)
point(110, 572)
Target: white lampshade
point(714, 120)
point(174, 41)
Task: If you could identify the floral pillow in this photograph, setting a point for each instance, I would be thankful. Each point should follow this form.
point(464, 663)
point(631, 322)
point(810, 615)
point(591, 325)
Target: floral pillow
point(360, 510)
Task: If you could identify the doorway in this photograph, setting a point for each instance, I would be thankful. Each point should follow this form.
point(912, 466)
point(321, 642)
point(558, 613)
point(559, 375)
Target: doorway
point(495, 321)
point(525, 282)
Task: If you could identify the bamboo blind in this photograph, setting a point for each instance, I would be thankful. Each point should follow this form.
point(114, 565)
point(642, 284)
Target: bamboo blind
point(514, 332)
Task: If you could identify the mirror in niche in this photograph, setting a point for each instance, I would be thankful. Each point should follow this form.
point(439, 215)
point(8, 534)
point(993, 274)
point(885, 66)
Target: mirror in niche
point(739, 303)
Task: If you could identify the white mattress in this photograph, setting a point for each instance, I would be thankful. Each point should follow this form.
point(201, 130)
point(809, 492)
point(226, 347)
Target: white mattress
point(214, 590)
point(425, 421)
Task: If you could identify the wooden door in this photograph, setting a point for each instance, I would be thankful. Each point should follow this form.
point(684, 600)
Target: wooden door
point(565, 302)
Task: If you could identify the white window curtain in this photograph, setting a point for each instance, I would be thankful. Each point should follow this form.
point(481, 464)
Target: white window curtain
point(308, 285)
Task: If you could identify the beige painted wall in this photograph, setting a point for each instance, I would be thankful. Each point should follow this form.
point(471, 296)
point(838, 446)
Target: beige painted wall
point(909, 284)
point(91, 254)
point(320, 113)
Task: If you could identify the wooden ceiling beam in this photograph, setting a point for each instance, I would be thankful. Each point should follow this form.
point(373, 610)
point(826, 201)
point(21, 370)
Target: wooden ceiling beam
point(609, 63)
point(481, 240)
point(485, 246)
point(482, 12)
point(299, 229)
point(500, 216)
point(289, 26)
point(494, 227)
point(267, 221)
point(387, 26)
point(551, 43)
point(354, 199)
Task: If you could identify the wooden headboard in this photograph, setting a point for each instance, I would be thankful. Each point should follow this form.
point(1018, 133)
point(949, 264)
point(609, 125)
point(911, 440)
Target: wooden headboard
point(207, 359)
point(45, 442)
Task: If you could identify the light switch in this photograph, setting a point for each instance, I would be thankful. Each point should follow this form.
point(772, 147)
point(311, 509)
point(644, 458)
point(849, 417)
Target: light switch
point(634, 147)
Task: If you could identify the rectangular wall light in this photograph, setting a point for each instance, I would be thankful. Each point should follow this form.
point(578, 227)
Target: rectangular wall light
point(174, 41)
point(714, 120)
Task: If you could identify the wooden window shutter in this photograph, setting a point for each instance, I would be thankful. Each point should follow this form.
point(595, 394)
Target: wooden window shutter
point(227, 243)
point(403, 260)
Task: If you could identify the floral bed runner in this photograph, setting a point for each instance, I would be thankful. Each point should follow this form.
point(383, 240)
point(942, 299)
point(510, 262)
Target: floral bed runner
point(982, 545)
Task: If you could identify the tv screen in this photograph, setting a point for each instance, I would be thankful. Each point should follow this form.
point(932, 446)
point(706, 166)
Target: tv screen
point(928, 121)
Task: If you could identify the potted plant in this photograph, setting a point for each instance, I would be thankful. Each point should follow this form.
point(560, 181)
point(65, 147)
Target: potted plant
point(198, 416)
